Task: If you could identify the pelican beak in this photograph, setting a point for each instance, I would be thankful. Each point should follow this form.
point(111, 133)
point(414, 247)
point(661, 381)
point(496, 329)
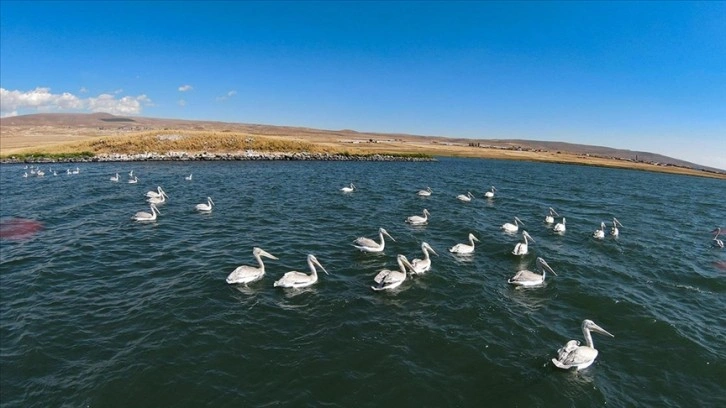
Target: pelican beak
point(551, 270)
point(600, 330)
point(388, 235)
point(267, 254)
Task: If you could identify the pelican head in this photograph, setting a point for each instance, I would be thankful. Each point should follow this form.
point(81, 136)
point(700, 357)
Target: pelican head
point(258, 252)
point(526, 236)
point(543, 265)
point(384, 232)
point(589, 325)
point(425, 246)
point(313, 260)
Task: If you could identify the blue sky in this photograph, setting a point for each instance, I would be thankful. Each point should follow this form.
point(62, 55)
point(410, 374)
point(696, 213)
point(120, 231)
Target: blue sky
point(644, 76)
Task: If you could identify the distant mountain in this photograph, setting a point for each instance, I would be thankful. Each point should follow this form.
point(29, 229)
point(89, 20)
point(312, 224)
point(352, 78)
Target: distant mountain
point(106, 121)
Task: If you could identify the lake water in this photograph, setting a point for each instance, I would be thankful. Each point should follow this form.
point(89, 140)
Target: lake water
point(102, 311)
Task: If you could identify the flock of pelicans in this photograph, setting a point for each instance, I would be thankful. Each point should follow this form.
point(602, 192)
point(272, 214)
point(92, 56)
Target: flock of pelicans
point(571, 355)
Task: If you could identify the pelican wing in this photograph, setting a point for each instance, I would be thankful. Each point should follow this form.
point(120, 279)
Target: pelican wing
point(366, 242)
point(525, 276)
point(245, 274)
point(293, 279)
point(421, 265)
point(575, 358)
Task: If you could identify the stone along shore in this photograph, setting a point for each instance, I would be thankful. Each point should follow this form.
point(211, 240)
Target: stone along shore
point(205, 156)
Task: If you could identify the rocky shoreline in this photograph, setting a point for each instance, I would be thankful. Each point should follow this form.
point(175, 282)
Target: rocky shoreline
point(206, 156)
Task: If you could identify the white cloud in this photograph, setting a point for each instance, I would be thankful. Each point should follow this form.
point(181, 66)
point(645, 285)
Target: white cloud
point(185, 88)
point(182, 102)
point(42, 100)
point(83, 90)
point(227, 96)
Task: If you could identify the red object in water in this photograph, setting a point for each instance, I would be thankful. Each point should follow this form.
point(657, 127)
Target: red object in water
point(19, 228)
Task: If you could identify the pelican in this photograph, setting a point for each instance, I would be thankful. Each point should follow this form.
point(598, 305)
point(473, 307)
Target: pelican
point(68, 171)
point(160, 199)
point(465, 197)
point(419, 220)
point(529, 278)
point(295, 279)
point(76, 171)
point(388, 279)
point(550, 218)
point(158, 193)
point(369, 245)
point(423, 265)
point(522, 248)
point(348, 189)
point(55, 173)
point(144, 216)
point(189, 177)
point(717, 242)
point(133, 180)
point(205, 207)
point(25, 174)
point(425, 193)
point(560, 226)
point(115, 178)
point(40, 173)
point(599, 233)
point(574, 355)
point(509, 227)
point(246, 274)
point(490, 193)
point(614, 231)
point(464, 248)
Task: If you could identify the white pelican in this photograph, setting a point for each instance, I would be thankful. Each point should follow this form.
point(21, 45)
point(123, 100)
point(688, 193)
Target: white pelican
point(550, 218)
point(560, 226)
point(68, 171)
point(160, 199)
point(419, 220)
point(522, 248)
point(423, 265)
point(55, 173)
point(295, 279)
point(144, 216)
point(158, 193)
point(465, 197)
point(348, 189)
point(490, 193)
point(246, 274)
point(599, 233)
point(509, 227)
point(425, 193)
point(189, 177)
point(388, 279)
point(25, 174)
point(369, 245)
point(529, 278)
point(133, 180)
point(76, 171)
point(574, 355)
point(614, 231)
point(40, 173)
point(464, 248)
point(114, 178)
point(717, 242)
point(205, 207)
